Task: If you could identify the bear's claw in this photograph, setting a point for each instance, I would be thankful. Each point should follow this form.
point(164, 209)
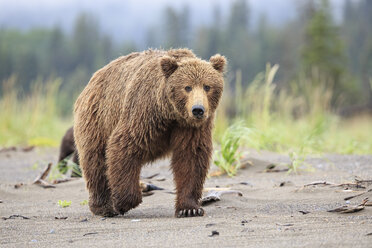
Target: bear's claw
point(190, 212)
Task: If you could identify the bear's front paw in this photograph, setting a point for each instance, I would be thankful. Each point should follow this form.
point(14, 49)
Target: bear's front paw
point(190, 212)
point(127, 203)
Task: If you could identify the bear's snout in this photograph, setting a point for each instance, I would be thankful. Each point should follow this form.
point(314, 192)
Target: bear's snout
point(198, 111)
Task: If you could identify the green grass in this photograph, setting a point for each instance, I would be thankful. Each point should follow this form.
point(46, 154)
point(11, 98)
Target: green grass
point(33, 119)
point(227, 158)
point(64, 203)
point(300, 120)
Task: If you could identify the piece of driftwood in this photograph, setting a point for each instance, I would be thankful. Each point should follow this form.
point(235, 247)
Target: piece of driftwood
point(44, 174)
point(40, 180)
point(319, 183)
point(213, 196)
point(350, 208)
point(353, 196)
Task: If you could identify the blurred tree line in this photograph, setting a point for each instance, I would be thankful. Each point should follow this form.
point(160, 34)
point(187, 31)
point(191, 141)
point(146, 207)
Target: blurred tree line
point(312, 45)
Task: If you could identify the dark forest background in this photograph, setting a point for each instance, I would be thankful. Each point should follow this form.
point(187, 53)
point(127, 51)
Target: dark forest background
point(313, 45)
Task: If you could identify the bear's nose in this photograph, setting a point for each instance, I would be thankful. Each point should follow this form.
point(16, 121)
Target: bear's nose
point(197, 111)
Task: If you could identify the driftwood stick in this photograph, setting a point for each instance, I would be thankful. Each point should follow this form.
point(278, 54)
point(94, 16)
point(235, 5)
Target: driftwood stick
point(40, 180)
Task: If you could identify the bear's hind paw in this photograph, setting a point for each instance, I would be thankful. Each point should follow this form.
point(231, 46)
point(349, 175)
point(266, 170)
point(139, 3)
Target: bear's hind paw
point(190, 212)
point(104, 211)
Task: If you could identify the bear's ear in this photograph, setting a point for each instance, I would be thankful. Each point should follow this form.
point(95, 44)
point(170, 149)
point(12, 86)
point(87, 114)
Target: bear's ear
point(218, 62)
point(168, 65)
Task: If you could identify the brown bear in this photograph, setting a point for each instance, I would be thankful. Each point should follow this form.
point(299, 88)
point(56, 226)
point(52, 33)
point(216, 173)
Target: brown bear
point(142, 107)
point(67, 149)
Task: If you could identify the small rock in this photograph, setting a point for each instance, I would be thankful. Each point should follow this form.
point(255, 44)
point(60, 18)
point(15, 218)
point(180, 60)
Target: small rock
point(304, 212)
point(210, 224)
point(245, 221)
point(84, 220)
point(103, 218)
point(214, 233)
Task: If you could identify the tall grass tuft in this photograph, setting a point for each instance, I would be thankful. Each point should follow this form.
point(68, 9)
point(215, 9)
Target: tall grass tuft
point(31, 119)
point(227, 158)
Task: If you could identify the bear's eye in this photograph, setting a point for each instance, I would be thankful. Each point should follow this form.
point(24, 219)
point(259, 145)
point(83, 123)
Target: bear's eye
point(207, 88)
point(188, 88)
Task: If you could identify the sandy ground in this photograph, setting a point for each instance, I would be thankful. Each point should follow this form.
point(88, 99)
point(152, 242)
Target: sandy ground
point(267, 215)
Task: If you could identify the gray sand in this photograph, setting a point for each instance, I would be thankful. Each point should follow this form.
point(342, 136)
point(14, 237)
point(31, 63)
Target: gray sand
point(267, 215)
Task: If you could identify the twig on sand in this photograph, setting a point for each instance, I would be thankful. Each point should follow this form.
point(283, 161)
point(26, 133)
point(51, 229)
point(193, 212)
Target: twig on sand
point(287, 224)
point(91, 233)
point(353, 196)
point(319, 183)
point(363, 181)
point(15, 216)
point(350, 209)
point(45, 173)
point(356, 185)
point(40, 179)
point(44, 184)
point(273, 168)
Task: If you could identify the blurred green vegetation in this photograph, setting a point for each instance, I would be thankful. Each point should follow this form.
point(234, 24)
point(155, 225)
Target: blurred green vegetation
point(299, 120)
point(325, 70)
point(32, 119)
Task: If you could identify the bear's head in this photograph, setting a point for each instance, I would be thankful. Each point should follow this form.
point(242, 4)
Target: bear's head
point(194, 86)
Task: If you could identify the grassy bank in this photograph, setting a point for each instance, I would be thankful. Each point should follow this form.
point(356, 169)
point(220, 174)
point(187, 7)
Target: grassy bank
point(33, 119)
point(300, 120)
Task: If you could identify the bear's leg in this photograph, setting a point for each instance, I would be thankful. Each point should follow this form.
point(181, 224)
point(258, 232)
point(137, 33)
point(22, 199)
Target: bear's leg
point(92, 162)
point(124, 163)
point(190, 164)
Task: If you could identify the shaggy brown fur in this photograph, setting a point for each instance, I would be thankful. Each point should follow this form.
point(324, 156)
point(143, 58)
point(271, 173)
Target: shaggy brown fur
point(139, 108)
point(68, 147)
